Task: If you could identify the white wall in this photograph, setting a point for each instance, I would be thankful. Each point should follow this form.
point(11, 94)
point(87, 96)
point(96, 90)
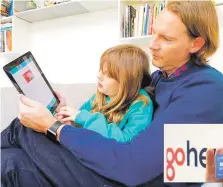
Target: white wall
point(68, 49)
point(4, 81)
point(216, 59)
point(70, 53)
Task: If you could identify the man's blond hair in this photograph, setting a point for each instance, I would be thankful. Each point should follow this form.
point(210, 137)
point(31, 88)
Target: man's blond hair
point(200, 19)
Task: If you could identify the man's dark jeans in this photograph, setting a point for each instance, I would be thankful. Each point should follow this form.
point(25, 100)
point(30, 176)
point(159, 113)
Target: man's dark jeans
point(30, 159)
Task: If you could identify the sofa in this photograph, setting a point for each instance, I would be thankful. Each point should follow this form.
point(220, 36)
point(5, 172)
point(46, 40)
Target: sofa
point(75, 95)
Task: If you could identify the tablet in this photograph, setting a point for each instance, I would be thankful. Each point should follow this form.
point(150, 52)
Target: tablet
point(28, 79)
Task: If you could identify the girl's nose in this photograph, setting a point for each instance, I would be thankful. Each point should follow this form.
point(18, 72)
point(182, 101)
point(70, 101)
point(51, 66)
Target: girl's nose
point(99, 76)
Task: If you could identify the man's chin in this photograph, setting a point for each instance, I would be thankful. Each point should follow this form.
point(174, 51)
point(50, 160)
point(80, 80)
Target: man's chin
point(156, 63)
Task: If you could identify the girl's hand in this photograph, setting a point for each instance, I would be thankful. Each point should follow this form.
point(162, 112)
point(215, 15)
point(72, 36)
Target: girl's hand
point(62, 101)
point(67, 114)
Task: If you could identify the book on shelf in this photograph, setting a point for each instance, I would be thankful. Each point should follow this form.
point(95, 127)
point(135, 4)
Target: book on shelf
point(54, 2)
point(35, 4)
point(130, 17)
point(6, 8)
point(6, 37)
point(139, 21)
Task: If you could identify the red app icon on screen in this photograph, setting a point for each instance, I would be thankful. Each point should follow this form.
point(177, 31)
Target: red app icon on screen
point(28, 76)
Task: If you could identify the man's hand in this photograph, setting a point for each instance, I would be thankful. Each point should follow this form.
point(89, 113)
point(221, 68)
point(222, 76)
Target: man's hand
point(210, 168)
point(34, 115)
point(67, 114)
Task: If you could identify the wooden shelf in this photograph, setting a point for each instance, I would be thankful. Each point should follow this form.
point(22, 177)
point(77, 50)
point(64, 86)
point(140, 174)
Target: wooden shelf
point(8, 54)
point(219, 4)
point(6, 20)
point(140, 2)
point(64, 9)
point(139, 40)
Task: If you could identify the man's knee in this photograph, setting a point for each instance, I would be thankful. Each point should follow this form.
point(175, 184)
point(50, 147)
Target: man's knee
point(18, 170)
point(14, 159)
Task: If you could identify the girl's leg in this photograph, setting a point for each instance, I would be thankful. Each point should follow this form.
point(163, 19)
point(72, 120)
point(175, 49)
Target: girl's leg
point(58, 164)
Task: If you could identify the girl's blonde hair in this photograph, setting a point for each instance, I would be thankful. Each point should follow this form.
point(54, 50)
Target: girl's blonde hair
point(128, 65)
point(201, 20)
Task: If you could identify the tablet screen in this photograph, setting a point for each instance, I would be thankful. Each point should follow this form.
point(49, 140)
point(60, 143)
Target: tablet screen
point(31, 81)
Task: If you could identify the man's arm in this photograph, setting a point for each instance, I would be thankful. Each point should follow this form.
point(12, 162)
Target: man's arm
point(142, 159)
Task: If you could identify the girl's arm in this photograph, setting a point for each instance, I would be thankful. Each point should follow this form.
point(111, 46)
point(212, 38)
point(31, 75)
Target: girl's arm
point(69, 113)
point(88, 104)
point(138, 118)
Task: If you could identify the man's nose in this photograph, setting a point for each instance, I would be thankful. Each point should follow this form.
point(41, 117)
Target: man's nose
point(154, 44)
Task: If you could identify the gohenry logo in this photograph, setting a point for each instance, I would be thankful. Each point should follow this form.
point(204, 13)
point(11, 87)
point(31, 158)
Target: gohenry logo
point(179, 156)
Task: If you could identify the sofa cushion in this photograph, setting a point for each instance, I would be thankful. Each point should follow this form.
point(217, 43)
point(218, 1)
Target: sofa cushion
point(75, 94)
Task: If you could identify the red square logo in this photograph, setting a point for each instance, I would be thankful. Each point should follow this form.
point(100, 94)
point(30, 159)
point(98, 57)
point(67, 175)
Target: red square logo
point(28, 76)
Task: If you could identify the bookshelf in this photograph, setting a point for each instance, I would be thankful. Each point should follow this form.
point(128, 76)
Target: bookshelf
point(60, 10)
point(6, 35)
point(140, 38)
point(18, 41)
point(136, 19)
point(6, 20)
point(20, 18)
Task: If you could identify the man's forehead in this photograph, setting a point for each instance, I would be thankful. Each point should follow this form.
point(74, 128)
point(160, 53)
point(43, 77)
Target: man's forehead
point(169, 23)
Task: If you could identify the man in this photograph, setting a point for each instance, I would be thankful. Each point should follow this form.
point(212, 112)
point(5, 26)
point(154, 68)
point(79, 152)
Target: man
point(187, 91)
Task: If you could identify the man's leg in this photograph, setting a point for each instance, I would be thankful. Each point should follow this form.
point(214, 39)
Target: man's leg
point(17, 170)
point(58, 164)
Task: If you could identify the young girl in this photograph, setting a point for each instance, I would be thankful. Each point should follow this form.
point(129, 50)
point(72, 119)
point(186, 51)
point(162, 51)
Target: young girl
point(121, 108)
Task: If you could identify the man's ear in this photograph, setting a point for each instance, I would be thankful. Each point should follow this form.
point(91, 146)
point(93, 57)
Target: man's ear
point(197, 44)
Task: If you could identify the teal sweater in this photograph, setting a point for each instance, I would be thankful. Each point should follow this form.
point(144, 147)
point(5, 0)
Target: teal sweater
point(137, 118)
